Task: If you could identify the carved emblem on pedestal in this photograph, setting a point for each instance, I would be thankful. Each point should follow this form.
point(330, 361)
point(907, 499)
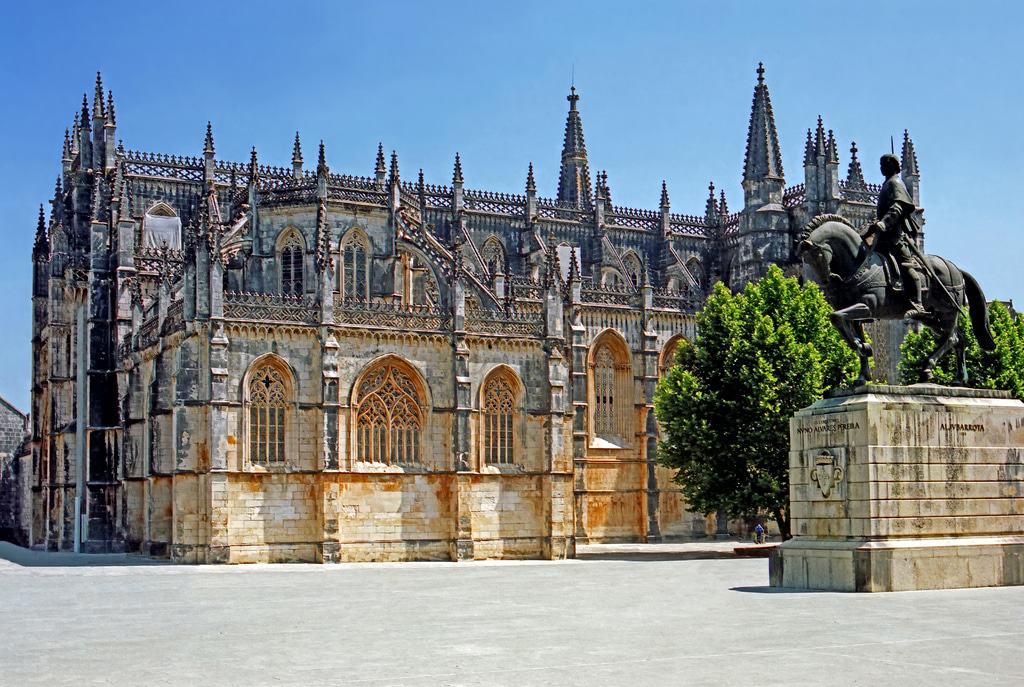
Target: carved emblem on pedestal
point(827, 473)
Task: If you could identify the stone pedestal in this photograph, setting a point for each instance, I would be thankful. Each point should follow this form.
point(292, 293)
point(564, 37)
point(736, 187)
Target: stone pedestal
point(897, 488)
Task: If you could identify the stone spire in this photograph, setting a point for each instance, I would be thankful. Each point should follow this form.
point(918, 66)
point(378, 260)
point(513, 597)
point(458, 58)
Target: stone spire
point(911, 174)
point(111, 115)
point(394, 168)
point(909, 155)
point(854, 174)
point(763, 159)
point(574, 177)
point(208, 148)
point(723, 207)
point(457, 171)
point(820, 144)
point(297, 157)
point(41, 247)
point(831, 150)
point(809, 149)
point(254, 168)
point(97, 99)
point(664, 204)
point(711, 205)
point(380, 169)
point(83, 120)
point(531, 183)
point(322, 170)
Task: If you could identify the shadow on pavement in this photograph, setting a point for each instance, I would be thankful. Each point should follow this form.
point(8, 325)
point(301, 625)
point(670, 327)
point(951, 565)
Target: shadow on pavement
point(13, 555)
point(776, 590)
point(680, 556)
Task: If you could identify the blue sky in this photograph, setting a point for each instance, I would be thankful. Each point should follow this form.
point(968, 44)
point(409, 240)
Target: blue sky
point(665, 94)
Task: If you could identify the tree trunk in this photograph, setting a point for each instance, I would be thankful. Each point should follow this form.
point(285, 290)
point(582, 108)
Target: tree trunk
point(782, 520)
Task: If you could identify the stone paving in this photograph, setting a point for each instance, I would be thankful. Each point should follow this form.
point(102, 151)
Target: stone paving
point(685, 615)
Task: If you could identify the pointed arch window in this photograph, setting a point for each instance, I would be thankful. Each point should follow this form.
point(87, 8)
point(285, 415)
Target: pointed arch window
point(633, 269)
point(354, 279)
point(292, 253)
point(268, 397)
point(389, 418)
point(498, 416)
point(494, 256)
point(611, 391)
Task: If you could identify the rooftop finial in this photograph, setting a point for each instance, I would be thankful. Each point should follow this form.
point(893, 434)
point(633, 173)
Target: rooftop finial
point(723, 207)
point(819, 138)
point(909, 155)
point(832, 152)
point(297, 151)
point(381, 167)
point(254, 168)
point(664, 196)
point(574, 186)
point(111, 117)
point(85, 112)
point(711, 206)
point(457, 172)
point(208, 141)
point(809, 149)
point(531, 184)
point(321, 161)
point(394, 168)
point(41, 246)
point(421, 185)
point(854, 174)
point(97, 99)
point(763, 158)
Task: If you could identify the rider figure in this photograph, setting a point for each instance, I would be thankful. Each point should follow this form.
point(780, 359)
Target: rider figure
point(896, 225)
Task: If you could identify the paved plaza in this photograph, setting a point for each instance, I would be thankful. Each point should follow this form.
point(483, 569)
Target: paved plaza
point(682, 615)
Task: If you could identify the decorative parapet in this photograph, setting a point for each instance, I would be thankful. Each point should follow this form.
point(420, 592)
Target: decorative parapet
point(866, 193)
point(518, 323)
point(270, 307)
point(391, 315)
point(608, 296)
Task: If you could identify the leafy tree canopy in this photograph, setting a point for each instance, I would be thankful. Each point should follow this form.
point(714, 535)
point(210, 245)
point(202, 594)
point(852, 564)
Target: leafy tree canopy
point(1002, 368)
point(724, 407)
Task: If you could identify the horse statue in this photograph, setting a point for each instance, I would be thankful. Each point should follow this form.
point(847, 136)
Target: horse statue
point(862, 285)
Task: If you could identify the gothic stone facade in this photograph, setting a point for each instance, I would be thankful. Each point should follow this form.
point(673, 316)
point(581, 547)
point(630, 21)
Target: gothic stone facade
point(237, 362)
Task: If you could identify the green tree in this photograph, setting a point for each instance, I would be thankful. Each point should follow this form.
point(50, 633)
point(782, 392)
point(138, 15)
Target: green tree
point(1002, 368)
point(724, 407)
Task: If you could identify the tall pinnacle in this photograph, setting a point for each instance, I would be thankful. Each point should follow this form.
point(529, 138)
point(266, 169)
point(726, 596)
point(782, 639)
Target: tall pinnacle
point(97, 99)
point(909, 162)
point(531, 183)
point(41, 247)
point(457, 172)
point(381, 167)
point(854, 174)
point(297, 151)
point(208, 141)
point(321, 162)
point(711, 206)
point(763, 159)
point(111, 117)
point(394, 168)
point(832, 151)
point(574, 177)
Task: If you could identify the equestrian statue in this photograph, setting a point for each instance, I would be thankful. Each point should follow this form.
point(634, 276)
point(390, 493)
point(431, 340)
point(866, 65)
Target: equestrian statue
point(880, 274)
